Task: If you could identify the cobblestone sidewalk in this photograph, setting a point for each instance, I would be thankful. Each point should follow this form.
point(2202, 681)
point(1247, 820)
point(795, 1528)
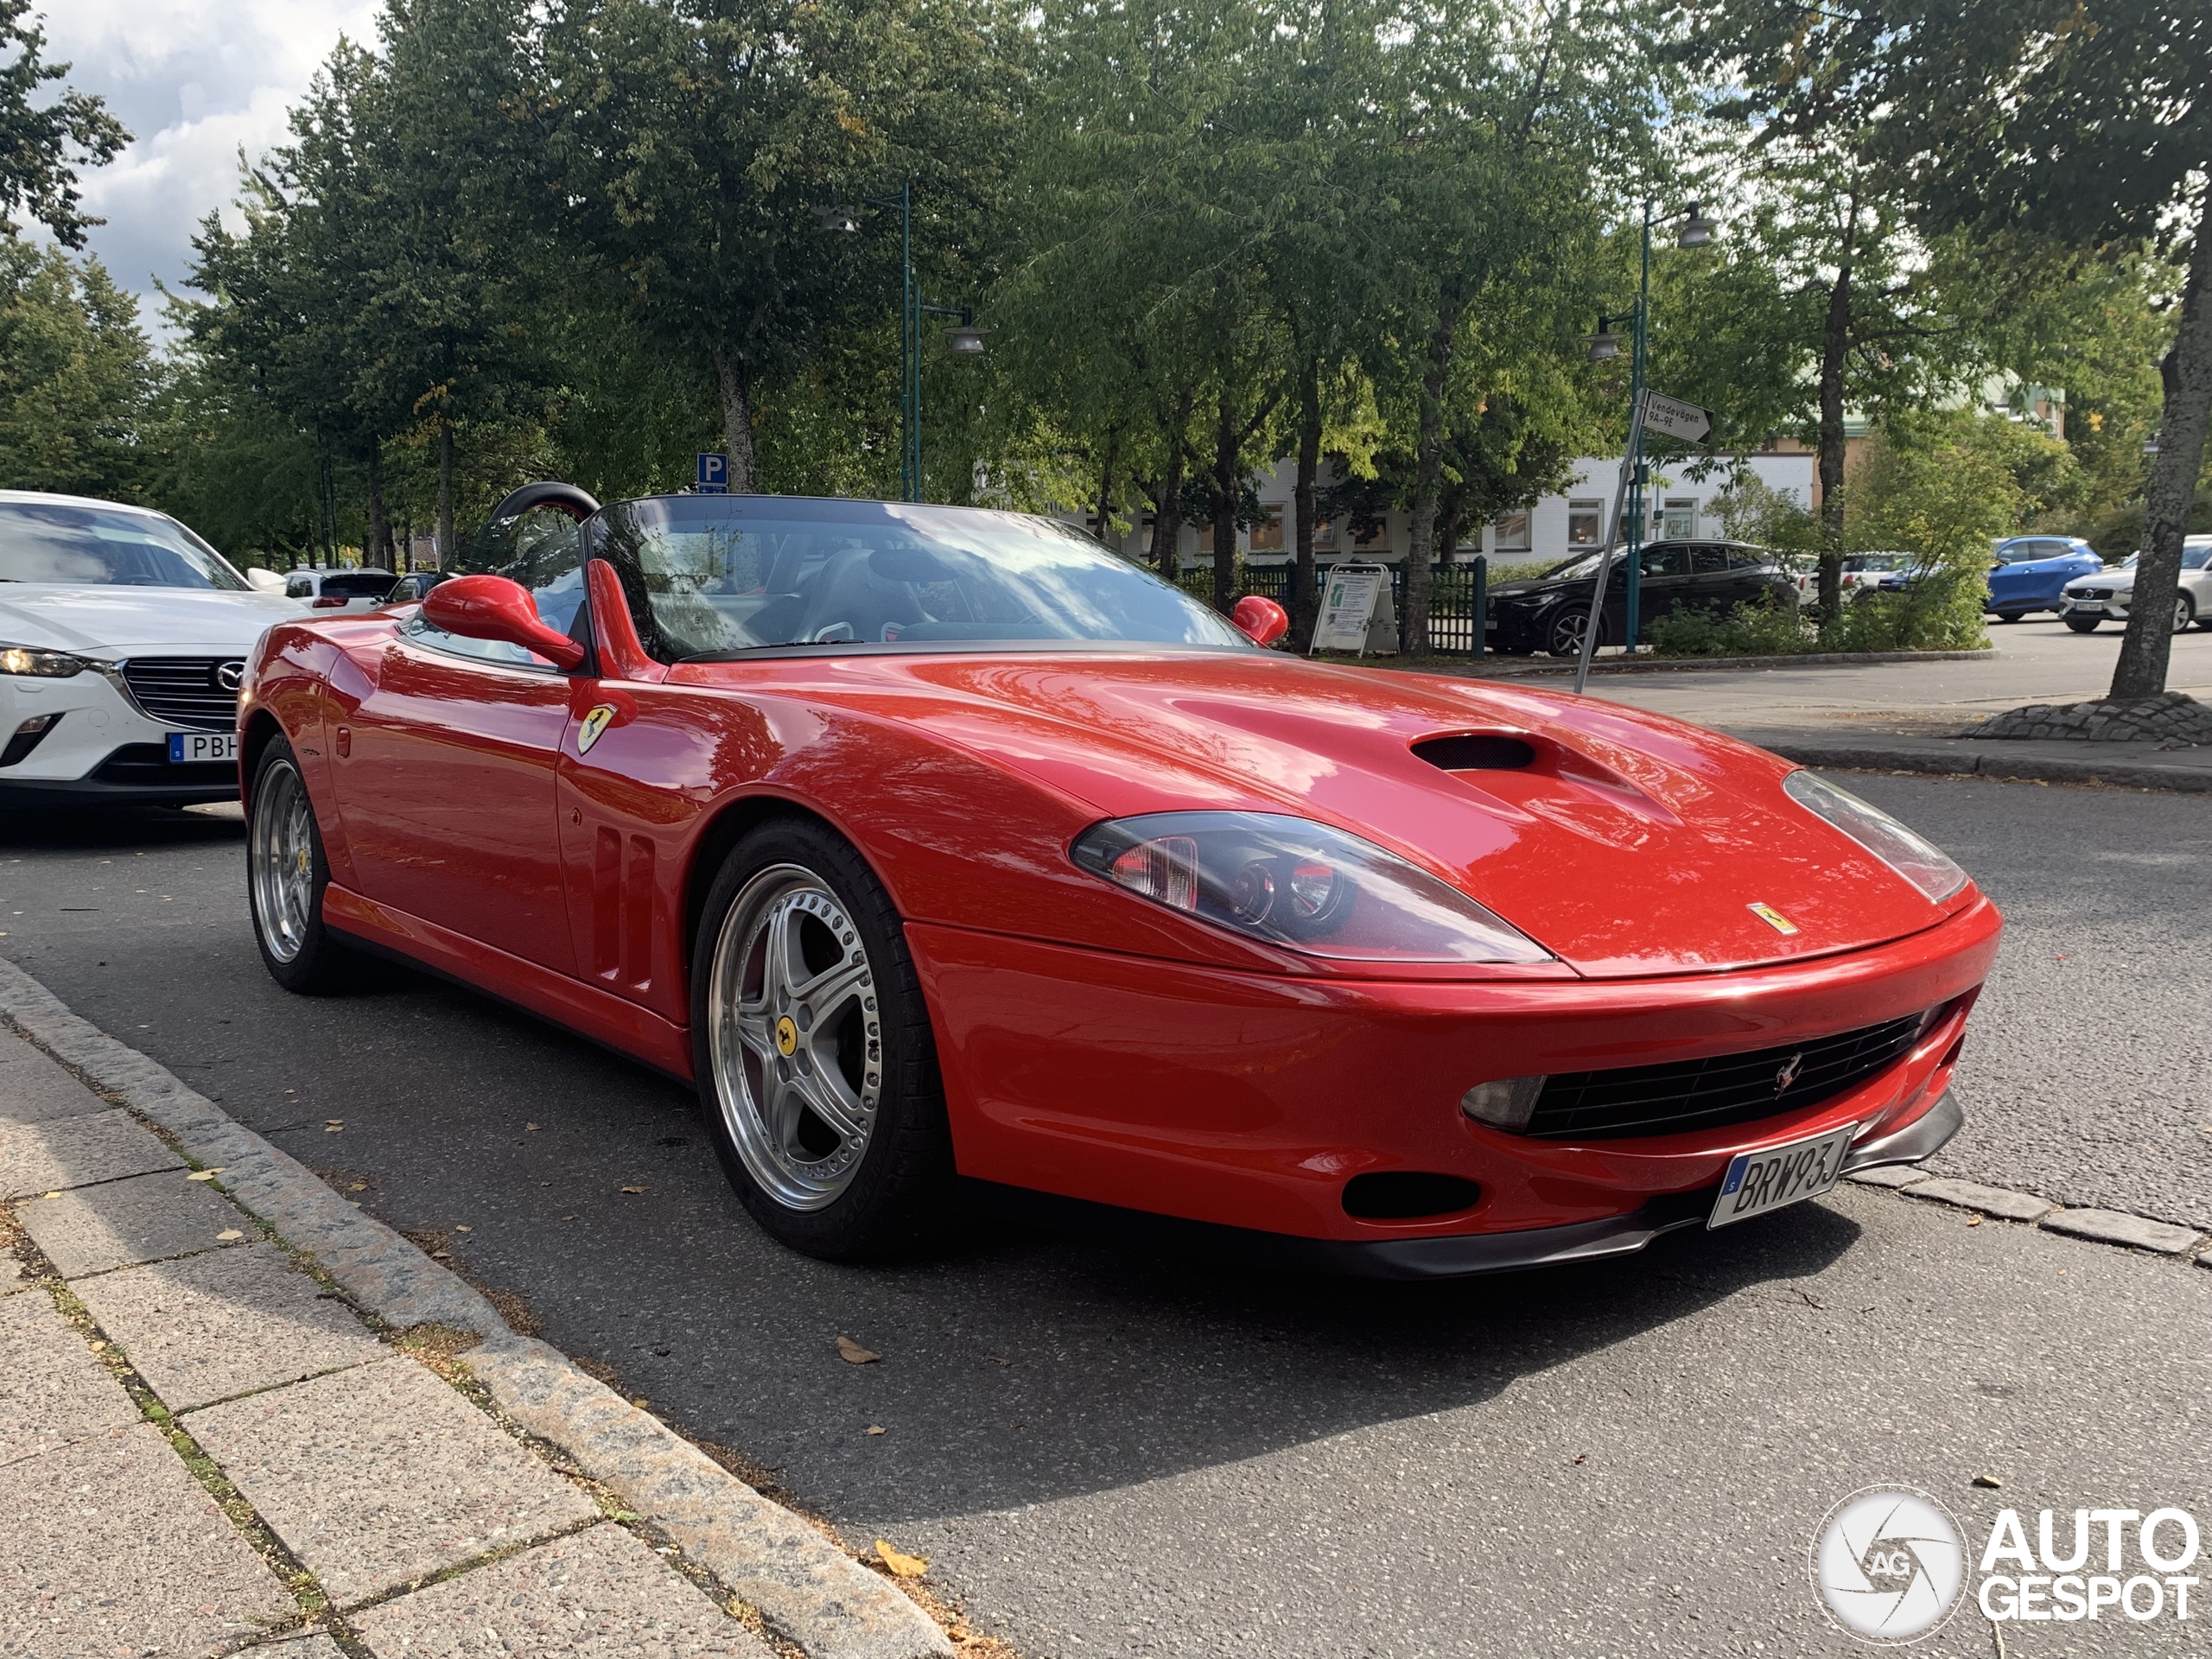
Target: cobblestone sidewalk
point(205, 1448)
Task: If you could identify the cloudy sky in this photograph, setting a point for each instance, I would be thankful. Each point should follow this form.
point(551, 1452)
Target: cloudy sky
point(194, 81)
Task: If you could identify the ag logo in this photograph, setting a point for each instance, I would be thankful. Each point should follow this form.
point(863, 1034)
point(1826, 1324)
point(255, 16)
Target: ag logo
point(593, 723)
point(1889, 1565)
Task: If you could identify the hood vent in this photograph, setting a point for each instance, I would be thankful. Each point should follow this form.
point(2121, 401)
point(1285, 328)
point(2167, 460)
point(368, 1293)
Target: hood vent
point(1476, 752)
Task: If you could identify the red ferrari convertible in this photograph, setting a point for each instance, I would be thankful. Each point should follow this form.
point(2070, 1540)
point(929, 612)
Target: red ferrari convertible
point(957, 860)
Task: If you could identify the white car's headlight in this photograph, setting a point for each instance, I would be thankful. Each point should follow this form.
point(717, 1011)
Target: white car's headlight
point(1298, 885)
point(1921, 862)
point(34, 663)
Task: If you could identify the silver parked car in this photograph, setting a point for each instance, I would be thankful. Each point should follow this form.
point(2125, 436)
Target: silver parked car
point(2106, 596)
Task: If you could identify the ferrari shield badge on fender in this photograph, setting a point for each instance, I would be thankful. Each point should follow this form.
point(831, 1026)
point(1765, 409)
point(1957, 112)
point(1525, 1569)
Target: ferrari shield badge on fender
point(1767, 913)
point(601, 716)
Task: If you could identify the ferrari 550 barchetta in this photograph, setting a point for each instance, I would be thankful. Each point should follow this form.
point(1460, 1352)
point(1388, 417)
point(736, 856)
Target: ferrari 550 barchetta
point(957, 859)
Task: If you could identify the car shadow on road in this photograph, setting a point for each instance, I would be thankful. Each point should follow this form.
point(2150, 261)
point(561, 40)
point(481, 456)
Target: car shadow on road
point(113, 827)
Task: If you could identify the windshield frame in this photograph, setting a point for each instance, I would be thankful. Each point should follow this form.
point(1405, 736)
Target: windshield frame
point(606, 532)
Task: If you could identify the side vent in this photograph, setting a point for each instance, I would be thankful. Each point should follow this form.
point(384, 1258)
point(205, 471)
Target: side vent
point(1476, 752)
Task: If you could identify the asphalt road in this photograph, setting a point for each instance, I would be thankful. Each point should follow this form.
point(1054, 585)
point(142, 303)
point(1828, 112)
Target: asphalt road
point(1108, 1454)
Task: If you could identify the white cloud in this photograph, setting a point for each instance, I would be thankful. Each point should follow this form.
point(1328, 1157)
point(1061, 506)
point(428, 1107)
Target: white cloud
point(195, 81)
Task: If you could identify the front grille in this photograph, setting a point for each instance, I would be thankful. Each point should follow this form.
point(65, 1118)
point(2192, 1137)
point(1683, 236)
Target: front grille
point(1721, 1090)
point(182, 691)
point(2093, 592)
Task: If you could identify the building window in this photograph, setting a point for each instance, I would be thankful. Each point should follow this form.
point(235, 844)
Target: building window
point(1680, 523)
point(1325, 535)
point(1585, 523)
point(1511, 533)
point(1266, 535)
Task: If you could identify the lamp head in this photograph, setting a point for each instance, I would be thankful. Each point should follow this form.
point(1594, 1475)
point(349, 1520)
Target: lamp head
point(836, 218)
point(1697, 230)
point(1605, 344)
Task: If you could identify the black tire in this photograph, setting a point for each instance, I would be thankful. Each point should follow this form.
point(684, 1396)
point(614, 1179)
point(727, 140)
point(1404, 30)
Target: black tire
point(794, 883)
point(2185, 612)
point(299, 952)
point(2083, 624)
point(2010, 616)
point(1563, 633)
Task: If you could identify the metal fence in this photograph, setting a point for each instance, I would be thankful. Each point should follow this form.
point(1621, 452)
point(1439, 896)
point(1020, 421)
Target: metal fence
point(1458, 597)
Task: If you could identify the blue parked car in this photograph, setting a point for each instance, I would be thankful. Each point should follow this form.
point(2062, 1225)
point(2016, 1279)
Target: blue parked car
point(2029, 573)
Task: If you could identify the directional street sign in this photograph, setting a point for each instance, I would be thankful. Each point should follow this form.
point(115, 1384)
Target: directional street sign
point(1676, 418)
point(714, 473)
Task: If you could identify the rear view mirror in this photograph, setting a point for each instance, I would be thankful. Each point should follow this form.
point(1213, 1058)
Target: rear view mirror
point(1260, 620)
point(265, 581)
point(492, 607)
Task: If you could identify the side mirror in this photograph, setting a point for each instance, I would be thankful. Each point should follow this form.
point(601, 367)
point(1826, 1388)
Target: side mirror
point(492, 607)
point(265, 581)
point(1260, 620)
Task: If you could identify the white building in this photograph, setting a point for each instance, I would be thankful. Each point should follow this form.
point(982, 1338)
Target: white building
point(1681, 508)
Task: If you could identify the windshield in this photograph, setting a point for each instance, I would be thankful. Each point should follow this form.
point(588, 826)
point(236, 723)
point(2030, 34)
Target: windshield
point(2194, 555)
point(61, 542)
point(720, 576)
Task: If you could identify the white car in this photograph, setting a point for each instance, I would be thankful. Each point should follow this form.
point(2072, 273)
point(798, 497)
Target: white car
point(325, 589)
point(1862, 573)
point(123, 639)
point(2107, 595)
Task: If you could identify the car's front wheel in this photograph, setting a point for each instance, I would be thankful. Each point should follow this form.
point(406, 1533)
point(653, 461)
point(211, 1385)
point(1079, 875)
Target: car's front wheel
point(2083, 624)
point(286, 874)
point(1563, 636)
point(2185, 612)
point(2010, 616)
point(812, 1048)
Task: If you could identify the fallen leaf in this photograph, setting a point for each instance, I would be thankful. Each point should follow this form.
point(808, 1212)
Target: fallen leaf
point(852, 1354)
point(1973, 1221)
point(1581, 1457)
point(441, 1256)
point(1990, 1481)
point(640, 1402)
point(334, 1120)
point(530, 1126)
point(196, 1175)
point(464, 1229)
point(229, 1233)
point(567, 1217)
point(633, 1189)
point(56, 1194)
point(333, 1129)
point(900, 1563)
point(995, 1360)
point(357, 1186)
point(877, 1428)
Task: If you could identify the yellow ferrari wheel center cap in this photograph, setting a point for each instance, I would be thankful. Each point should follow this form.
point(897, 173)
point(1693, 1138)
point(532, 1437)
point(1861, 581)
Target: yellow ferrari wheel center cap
point(786, 1037)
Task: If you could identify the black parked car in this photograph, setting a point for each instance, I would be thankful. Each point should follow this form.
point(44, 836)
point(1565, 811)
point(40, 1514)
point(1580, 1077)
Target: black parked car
point(1549, 613)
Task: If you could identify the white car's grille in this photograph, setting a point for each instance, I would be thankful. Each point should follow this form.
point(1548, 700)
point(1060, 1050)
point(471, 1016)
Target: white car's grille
point(186, 690)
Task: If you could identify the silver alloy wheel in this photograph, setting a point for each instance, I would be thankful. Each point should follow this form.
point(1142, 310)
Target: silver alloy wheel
point(796, 1038)
point(281, 857)
point(2184, 613)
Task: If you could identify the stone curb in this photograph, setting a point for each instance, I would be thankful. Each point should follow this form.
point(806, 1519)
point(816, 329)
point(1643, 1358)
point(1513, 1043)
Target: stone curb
point(2102, 1226)
point(809, 1591)
point(1863, 757)
point(1491, 668)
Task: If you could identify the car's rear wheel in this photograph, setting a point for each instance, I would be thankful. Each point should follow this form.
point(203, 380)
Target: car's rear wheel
point(2185, 612)
point(286, 875)
point(812, 1044)
point(2083, 624)
point(2010, 616)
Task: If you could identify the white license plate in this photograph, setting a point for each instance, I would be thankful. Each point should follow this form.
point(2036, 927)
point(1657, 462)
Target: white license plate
point(1759, 1181)
point(185, 746)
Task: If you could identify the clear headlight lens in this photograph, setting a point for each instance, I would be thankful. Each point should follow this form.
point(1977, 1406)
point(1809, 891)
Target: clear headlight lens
point(1299, 885)
point(1926, 866)
point(29, 661)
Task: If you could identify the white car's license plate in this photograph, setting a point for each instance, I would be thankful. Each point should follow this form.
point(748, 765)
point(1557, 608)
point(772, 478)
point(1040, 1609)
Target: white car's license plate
point(1759, 1181)
point(187, 746)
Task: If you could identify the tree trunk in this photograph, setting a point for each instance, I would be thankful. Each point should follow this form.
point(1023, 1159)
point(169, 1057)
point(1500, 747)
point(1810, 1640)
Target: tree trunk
point(1106, 489)
point(1168, 505)
point(1304, 591)
point(735, 379)
point(1227, 446)
point(379, 548)
point(445, 548)
point(1835, 344)
point(2187, 373)
point(1428, 462)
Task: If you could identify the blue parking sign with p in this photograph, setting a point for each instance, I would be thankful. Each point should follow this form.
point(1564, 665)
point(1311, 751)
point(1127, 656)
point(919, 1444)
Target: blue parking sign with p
point(714, 473)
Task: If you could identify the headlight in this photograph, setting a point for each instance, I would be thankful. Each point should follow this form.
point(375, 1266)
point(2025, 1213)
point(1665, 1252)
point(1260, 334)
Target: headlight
point(1926, 866)
point(1299, 885)
point(39, 664)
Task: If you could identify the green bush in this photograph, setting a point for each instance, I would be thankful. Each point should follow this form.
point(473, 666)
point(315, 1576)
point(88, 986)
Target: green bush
point(1763, 629)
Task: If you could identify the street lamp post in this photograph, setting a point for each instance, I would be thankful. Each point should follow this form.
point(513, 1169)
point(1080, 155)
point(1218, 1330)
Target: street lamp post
point(1696, 230)
point(967, 340)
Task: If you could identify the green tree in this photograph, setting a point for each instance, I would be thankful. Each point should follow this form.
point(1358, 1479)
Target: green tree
point(75, 376)
point(43, 144)
point(2088, 123)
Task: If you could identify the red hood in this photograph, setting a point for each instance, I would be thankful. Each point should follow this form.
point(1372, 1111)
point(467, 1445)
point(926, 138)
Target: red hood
point(1632, 844)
